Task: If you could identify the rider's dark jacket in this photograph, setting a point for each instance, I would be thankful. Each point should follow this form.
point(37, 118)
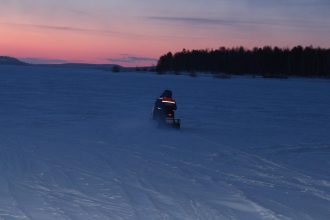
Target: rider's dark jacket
point(164, 104)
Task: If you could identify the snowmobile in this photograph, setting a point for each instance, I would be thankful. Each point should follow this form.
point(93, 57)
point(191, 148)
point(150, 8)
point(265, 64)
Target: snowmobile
point(165, 118)
point(163, 111)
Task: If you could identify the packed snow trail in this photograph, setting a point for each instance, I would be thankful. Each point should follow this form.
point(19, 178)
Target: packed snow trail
point(79, 144)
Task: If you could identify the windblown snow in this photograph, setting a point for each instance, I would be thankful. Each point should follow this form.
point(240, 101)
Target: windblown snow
point(79, 144)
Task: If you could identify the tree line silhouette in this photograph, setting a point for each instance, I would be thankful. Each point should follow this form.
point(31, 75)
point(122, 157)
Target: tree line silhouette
point(266, 61)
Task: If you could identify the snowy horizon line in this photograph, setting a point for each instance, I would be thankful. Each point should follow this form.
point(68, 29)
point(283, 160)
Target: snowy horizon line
point(48, 61)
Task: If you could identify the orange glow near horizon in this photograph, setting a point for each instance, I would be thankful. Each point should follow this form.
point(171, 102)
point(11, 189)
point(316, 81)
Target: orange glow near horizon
point(71, 46)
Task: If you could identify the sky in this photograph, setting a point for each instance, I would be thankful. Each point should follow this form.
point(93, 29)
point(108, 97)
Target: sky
point(138, 32)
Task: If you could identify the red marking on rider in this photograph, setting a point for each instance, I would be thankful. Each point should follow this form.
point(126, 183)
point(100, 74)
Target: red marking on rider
point(168, 100)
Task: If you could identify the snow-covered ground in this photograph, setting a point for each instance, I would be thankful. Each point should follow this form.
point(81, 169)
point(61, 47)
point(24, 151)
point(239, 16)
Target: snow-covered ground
point(79, 144)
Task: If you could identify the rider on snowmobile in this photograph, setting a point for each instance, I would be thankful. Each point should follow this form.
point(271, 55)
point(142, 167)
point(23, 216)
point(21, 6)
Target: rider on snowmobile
point(164, 106)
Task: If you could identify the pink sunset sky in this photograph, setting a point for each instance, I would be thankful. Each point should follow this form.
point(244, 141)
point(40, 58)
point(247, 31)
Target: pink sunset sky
point(137, 33)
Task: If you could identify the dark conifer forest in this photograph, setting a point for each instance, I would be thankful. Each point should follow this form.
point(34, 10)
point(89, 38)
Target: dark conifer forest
point(266, 61)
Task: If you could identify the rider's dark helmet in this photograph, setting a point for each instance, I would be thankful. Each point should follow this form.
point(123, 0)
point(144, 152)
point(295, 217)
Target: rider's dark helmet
point(167, 93)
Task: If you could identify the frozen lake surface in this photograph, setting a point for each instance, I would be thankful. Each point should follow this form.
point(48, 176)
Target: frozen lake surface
point(79, 144)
